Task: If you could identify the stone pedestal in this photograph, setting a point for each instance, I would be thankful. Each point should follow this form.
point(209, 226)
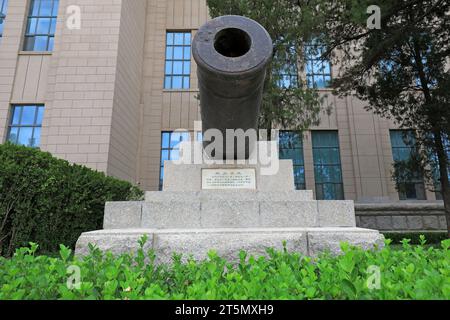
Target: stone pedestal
point(187, 219)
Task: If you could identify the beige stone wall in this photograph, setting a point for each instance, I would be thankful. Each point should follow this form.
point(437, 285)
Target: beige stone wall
point(126, 116)
point(30, 83)
point(79, 104)
point(10, 45)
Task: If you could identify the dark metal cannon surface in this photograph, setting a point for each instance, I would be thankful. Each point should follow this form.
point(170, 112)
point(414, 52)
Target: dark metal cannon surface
point(232, 54)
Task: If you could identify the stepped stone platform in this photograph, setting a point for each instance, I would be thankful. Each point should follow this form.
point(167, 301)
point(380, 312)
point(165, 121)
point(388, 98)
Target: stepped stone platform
point(228, 242)
point(189, 220)
point(229, 209)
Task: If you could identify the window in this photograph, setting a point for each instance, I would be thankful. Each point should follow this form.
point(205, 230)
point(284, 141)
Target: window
point(287, 74)
point(402, 150)
point(291, 147)
point(170, 149)
point(318, 71)
point(3, 9)
point(327, 165)
point(41, 25)
point(25, 127)
point(178, 61)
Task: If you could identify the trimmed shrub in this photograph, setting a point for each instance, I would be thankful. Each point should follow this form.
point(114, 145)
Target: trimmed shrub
point(432, 237)
point(49, 201)
point(415, 272)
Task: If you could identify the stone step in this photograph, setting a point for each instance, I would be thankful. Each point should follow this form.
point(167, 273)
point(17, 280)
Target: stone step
point(204, 213)
point(228, 242)
point(243, 195)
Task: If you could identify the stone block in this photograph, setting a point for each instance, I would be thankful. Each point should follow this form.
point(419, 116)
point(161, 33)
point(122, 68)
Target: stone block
point(297, 195)
point(330, 239)
point(288, 214)
point(182, 177)
point(431, 223)
point(116, 241)
point(227, 243)
point(369, 222)
point(122, 215)
point(282, 181)
point(415, 223)
point(384, 223)
point(442, 223)
point(229, 214)
point(399, 223)
point(159, 196)
point(229, 209)
point(336, 214)
point(222, 195)
point(171, 215)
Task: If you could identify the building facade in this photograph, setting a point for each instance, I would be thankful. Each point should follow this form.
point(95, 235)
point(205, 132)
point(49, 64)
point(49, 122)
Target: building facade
point(110, 93)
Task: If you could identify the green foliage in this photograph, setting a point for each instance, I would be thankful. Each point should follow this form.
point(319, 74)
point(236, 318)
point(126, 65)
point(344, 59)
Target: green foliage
point(415, 272)
point(49, 201)
point(401, 71)
point(433, 238)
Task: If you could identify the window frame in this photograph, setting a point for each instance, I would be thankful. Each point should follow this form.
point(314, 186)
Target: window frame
point(418, 184)
point(321, 185)
point(19, 125)
point(49, 36)
point(300, 185)
point(172, 60)
point(288, 80)
point(288, 74)
point(310, 63)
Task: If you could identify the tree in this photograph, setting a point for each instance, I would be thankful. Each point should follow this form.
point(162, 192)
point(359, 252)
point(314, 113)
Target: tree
point(402, 71)
point(287, 102)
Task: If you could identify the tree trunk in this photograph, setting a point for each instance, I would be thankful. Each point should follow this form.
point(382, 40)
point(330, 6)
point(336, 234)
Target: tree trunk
point(438, 138)
point(446, 196)
point(445, 184)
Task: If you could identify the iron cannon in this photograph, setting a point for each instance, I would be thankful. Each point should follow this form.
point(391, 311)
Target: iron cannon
point(232, 54)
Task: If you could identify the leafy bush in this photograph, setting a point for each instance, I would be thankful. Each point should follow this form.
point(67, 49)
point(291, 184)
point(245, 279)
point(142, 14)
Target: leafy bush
point(411, 273)
point(432, 237)
point(49, 201)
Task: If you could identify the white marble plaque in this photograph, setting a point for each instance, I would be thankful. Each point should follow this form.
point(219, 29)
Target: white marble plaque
point(228, 179)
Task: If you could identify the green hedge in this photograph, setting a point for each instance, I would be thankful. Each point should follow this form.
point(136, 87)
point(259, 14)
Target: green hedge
point(415, 272)
point(432, 237)
point(49, 201)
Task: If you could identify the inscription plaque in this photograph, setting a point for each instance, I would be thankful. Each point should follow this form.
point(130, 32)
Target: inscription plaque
point(228, 179)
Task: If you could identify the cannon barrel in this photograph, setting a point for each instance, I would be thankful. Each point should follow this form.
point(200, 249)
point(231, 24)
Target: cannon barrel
point(232, 54)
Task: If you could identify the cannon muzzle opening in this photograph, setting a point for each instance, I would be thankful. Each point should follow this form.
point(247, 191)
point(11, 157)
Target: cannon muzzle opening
point(232, 42)
point(232, 54)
